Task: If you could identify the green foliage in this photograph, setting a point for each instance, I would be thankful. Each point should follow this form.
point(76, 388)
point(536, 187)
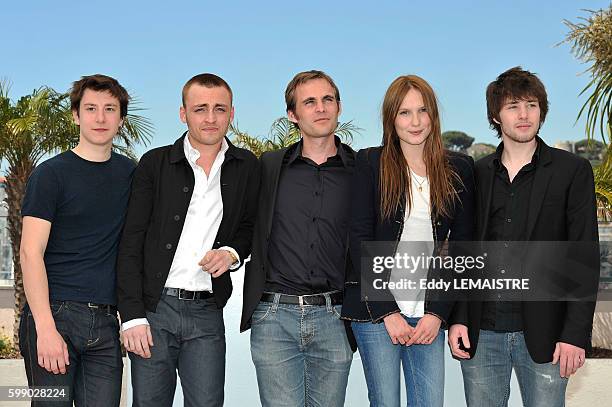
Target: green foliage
point(592, 150)
point(603, 186)
point(282, 134)
point(591, 41)
point(456, 140)
point(479, 150)
point(6, 348)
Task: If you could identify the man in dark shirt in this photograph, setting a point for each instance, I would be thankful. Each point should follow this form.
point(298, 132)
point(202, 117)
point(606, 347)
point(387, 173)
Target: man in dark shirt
point(293, 284)
point(73, 212)
point(528, 192)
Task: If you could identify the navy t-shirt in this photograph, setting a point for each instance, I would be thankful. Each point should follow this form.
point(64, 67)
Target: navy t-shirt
point(85, 202)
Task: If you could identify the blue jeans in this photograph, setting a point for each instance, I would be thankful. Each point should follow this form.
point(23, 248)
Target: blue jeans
point(301, 354)
point(423, 367)
point(92, 336)
point(486, 377)
point(188, 336)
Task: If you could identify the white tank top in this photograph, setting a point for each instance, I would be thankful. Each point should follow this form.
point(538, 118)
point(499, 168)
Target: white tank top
point(417, 228)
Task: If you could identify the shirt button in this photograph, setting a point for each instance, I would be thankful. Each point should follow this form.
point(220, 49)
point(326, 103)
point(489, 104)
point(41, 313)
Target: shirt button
point(185, 189)
point(511, 193)
point(177, 217)
point(158, 275)
point(508, 220)
point(502, 271)
point(168, 246)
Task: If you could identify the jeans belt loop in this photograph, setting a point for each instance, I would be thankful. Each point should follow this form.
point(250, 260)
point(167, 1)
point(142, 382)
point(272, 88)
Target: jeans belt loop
point(301, 301)
point(328, 302)
point(276, 302)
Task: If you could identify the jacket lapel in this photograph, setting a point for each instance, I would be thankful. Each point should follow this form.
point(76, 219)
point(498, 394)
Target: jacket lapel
point(485, 198)
point(541, 180)
point(275, 170)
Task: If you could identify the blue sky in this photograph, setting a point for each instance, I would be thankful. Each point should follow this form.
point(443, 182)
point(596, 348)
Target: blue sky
point(153, 48)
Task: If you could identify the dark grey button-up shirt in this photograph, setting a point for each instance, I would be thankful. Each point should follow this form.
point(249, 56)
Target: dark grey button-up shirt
point(308, 240)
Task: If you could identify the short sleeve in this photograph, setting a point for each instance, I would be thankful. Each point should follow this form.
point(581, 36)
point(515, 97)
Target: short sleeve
point(42, 194)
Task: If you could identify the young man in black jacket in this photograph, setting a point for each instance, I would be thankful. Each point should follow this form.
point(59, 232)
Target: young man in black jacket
point(189, 221)
point(527, 192)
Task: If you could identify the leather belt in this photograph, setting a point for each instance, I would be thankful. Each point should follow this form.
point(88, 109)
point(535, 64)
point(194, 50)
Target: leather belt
point(110, 309)
point(187, 295)
point(301, 300)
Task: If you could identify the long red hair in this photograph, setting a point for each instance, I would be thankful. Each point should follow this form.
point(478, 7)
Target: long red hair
point(395, 181)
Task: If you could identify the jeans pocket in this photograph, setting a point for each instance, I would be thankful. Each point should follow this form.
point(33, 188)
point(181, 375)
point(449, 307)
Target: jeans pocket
point(261, 313)
point(56, 307)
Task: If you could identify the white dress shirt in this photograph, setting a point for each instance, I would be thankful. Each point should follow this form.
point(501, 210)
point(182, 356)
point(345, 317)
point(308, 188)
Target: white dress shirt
point(201, 225)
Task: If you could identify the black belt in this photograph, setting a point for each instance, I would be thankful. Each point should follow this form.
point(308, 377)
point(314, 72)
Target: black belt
point(110, 309)
point(310, 299)
point(187, 295)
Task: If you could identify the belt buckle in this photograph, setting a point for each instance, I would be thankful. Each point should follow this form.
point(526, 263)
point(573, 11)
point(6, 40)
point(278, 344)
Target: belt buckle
point(180, 296)
point(92, 305)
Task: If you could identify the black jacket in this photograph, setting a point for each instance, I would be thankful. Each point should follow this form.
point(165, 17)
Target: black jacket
point(561, 208)
point(366, 225)
point(256, 269)
point(161, 191)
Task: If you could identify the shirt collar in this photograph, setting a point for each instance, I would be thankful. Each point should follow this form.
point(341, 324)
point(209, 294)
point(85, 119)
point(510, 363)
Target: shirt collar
point(500, 150)
point(340, 151)
point(192, 154)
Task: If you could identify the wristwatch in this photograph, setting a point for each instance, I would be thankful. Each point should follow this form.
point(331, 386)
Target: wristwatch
point(233, 257)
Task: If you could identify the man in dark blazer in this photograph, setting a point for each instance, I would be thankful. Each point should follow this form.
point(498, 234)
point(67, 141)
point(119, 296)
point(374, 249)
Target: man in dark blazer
point(526, 191)
point(190, 220)
point(293, 283)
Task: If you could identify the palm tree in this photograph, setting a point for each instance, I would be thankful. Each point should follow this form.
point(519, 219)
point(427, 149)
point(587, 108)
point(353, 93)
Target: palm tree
point(283, 133)
point(35, 126)
point(591, 41)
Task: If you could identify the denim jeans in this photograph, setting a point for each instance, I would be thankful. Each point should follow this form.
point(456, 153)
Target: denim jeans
point(188, 336)
point(486, 377)
point(92, 336)
point(301, 354)
point(423, 367)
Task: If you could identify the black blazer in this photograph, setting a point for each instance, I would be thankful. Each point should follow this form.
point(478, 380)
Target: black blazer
point(161, 191)
point(561, 208)
point(256, 269)
point(366, 225)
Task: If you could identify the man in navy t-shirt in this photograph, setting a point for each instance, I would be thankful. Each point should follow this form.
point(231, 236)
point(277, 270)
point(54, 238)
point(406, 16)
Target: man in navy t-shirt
point(73, 213)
